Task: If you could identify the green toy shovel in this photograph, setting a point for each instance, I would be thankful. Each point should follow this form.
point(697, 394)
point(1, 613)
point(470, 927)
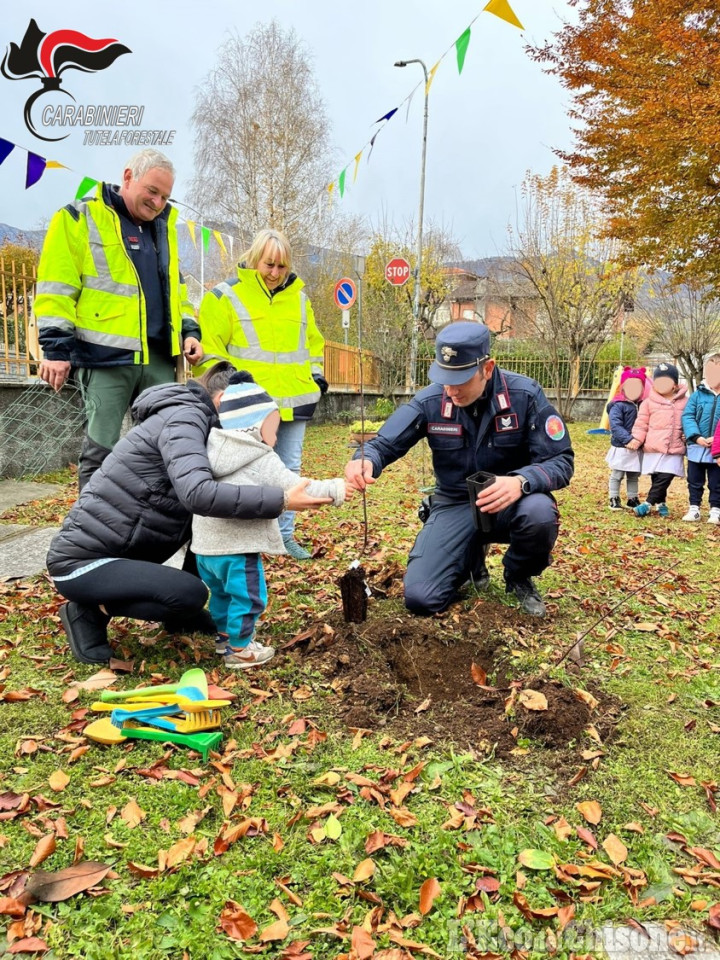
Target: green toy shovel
point(192, 684)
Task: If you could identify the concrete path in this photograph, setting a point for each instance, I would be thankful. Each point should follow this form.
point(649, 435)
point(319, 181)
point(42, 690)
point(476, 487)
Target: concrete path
point(23, 548)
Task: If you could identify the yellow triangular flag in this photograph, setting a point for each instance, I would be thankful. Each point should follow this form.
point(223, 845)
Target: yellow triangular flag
point(357, 162)
point(191, 228)
point(502, 9)
point(221, 243)
point(431, 77)
point(55, 165)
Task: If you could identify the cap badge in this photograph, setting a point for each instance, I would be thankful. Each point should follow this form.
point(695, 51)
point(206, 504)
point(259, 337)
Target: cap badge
point(448, 353)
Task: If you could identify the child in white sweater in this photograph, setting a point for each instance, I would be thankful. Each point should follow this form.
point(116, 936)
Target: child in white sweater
point(229, 551)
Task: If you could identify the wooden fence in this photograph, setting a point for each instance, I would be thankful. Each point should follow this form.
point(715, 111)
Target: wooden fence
point(19, 348)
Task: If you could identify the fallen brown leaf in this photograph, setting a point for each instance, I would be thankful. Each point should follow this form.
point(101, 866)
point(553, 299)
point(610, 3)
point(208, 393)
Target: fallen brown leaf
point(63, 884)
point(44, 849)
point(429, 892)
point(591, 810)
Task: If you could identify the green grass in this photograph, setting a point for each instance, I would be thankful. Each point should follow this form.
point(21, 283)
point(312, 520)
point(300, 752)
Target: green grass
point(657, 653)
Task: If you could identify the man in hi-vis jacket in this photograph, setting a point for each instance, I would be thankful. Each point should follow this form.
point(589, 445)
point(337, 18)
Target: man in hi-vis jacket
point(111, 303)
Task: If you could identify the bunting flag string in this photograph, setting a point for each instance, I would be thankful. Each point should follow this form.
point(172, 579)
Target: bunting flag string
point(501, 9)
point(6, 148)
point(431, 77)
point(220, 241)
point(461, 45)
point(35, 166)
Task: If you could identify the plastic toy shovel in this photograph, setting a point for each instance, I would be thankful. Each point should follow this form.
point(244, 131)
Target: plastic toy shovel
point(192, 684)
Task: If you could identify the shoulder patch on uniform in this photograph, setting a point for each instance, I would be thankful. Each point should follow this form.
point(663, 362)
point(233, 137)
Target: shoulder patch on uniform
point(554, 427)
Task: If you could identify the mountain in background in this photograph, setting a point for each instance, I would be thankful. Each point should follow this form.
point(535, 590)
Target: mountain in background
point(24, 238)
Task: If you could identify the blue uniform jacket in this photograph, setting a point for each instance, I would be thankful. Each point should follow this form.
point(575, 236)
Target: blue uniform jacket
point(700, 418)
point(512, 429)
point(622, 415)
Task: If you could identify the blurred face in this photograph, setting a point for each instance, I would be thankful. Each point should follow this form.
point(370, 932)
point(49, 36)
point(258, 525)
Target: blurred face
point(463, 394)
point(711, 372)
point(664, 386)
point(146, 198)
point(269, 428)
point(272, 268)
point(633, 388)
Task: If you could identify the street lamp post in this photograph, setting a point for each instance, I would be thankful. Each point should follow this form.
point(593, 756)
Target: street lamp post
point(421, 209)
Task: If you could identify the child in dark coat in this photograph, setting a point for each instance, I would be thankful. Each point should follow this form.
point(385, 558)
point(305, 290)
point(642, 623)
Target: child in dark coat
point(622, 414)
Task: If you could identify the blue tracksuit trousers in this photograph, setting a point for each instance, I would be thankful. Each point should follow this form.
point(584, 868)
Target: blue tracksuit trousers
point(238, 593)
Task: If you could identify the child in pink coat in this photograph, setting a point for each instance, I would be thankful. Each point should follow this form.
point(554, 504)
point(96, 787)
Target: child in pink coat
point(658, 430)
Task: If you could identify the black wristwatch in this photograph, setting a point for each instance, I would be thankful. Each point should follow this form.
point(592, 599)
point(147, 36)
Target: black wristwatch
point(524, 484)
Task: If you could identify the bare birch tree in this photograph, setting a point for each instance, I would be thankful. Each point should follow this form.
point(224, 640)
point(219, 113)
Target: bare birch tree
point(262, 153)
point(683, 321)
point(559, 250)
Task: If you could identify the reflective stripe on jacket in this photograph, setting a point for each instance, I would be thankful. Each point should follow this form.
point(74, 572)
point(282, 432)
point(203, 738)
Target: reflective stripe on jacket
point(89, 304)
point(271, 335)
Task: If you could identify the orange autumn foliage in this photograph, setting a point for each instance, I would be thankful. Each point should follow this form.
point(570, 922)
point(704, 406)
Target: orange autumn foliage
point(645, 80)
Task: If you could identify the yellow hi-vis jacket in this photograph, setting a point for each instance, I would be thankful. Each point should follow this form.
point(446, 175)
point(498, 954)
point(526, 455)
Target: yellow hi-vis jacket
point(89, 303)
point(271, 335)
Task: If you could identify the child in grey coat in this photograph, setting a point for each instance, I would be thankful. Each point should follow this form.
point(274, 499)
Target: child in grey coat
point(229, 551)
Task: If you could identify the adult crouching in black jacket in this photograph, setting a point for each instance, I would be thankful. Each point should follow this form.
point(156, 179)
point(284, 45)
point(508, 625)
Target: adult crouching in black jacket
point(135, 513)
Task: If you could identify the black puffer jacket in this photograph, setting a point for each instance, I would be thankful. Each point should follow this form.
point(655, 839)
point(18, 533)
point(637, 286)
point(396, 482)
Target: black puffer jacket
point(138, 505)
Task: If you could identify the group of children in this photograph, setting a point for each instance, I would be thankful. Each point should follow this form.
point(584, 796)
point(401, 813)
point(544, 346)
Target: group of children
point(653, 425)
point(229, 552)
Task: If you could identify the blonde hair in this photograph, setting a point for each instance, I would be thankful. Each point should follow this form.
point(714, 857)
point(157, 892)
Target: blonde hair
point(276, 240)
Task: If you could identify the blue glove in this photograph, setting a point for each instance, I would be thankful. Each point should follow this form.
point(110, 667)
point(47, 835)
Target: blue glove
point(321, 382)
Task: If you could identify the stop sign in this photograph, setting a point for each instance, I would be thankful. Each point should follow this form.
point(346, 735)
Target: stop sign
point(397, 271)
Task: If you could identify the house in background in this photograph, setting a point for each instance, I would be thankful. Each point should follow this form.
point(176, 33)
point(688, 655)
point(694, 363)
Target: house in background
point(491, 292)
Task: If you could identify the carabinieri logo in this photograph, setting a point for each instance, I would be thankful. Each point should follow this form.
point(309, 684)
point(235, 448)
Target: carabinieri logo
point(45, 56)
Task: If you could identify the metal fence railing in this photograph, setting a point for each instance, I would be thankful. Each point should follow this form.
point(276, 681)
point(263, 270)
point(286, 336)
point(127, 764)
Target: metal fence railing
point(590, 377)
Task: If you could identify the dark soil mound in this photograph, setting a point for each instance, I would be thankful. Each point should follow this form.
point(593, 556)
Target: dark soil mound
point(421, 676)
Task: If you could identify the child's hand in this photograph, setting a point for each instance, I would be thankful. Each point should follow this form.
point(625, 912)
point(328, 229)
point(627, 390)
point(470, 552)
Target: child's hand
point(704, 441)
point(633, 445)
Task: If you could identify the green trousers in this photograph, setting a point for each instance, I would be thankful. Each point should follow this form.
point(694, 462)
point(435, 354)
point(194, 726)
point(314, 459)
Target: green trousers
point(107, 394)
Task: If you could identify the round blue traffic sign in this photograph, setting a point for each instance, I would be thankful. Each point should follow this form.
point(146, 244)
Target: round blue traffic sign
point(345, 293)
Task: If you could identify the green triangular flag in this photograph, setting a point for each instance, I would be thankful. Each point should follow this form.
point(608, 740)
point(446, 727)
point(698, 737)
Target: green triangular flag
point(461, 45)
point(341, 182)
point(205, 233)
point(85, 187)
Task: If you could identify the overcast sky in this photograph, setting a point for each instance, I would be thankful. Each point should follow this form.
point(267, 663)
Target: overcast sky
point(487, 127)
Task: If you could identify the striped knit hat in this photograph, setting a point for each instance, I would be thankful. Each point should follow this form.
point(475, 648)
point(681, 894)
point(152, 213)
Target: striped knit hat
point(244, 404)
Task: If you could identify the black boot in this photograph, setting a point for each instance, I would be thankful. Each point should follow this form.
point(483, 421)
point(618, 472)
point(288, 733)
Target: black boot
point(86, 629)
point(91, 458)
point(530, 600)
